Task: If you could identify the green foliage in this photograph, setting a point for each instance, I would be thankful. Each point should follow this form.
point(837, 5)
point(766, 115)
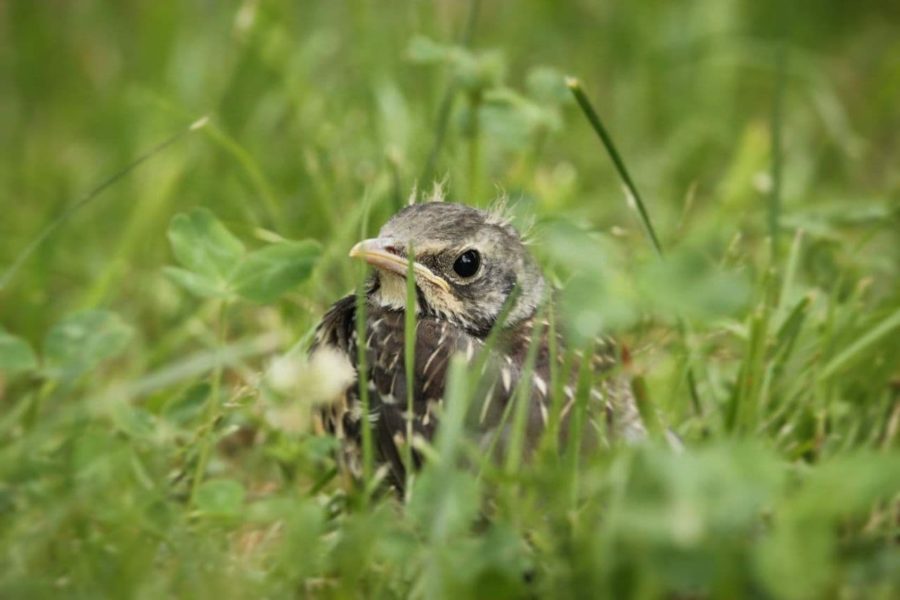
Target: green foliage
point(607, 291)
point(217, 266)
point(220, 498)
point(269, 272)
point(159, 443)
point(79, 342)
point(15, 354)
point(475, 71)
point(207, 250)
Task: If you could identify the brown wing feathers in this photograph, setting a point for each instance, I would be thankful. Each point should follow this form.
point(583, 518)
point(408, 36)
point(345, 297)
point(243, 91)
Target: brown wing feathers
point(436, 342)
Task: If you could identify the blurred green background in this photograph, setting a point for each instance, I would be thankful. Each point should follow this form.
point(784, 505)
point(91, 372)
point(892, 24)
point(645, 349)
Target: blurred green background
point(323, 116)
point(321, 104)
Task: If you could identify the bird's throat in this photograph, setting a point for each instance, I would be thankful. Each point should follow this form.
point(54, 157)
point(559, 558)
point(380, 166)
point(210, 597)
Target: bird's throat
point(390, 292)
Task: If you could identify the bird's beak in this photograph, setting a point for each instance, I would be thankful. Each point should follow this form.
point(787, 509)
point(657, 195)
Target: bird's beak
point(382, 254)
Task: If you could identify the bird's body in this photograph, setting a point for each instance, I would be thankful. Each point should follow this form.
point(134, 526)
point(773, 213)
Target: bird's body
point(458, 307)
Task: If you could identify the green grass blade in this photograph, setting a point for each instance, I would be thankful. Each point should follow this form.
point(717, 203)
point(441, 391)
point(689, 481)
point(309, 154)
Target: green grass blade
point(255, 174)
point(68, 213)
point(635, 199)
point(523, 399)
point(633, 194)
point(362, 369)
point(853, 352)
point(450, 436)
point(789, 280)
point(213, 409)
point(774, 206)
point(447, 101)
point(742, 410)
point(409, 361)
point(578, 419)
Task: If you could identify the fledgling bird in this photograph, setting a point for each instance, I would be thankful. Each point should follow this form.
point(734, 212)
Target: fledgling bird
point(468, 263)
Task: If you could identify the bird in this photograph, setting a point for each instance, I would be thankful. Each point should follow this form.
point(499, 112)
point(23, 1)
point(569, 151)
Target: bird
point(474, 277)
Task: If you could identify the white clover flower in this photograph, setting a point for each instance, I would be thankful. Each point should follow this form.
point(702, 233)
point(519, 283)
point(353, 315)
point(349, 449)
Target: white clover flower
point(318, 379)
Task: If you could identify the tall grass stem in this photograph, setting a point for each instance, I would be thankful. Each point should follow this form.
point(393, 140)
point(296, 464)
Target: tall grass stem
point(447, 100)
point(634, 196)
point(409, 361)
point(68, 213)
point(774, 207)
point(213, 405)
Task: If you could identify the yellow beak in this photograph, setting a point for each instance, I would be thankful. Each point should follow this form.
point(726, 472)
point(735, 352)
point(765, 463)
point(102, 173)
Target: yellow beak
point(379, 253)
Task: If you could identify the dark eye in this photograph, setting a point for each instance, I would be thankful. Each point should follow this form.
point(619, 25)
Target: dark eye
point(467, 263)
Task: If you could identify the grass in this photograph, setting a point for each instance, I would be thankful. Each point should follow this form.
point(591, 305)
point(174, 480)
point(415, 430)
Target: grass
point(155, 425)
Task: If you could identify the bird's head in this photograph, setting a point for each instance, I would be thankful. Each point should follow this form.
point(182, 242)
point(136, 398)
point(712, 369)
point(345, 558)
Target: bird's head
point(466, 262)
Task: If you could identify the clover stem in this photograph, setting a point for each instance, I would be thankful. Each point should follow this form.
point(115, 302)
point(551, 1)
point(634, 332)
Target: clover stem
point(212, 410)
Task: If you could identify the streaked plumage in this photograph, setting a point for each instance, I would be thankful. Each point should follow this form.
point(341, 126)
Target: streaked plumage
point(455, 314)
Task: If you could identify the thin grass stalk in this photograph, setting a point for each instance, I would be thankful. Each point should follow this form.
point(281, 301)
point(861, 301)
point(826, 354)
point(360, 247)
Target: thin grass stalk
point(784, 343)
point(409, 361)
point(789, 278)
point(440, 134)
point(362, 370)
point(19, 413)
point(480, 365)
point(474, 148)
point(446, 106)
point(256, 175)
point(774, 205)
point(522, 398)
point(684, 331)
point(324, 189)
point(854, 351)
point(577, 419)
point(67, 214)
point(634, 197)
point(645, 406)
point(549, 443)
point(588, 109)
point(34, 405)
point(742, 402)
point(458, 399)
point(213, 407)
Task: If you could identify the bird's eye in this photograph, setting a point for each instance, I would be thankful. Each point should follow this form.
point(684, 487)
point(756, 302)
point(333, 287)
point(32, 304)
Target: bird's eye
point(467, 263)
